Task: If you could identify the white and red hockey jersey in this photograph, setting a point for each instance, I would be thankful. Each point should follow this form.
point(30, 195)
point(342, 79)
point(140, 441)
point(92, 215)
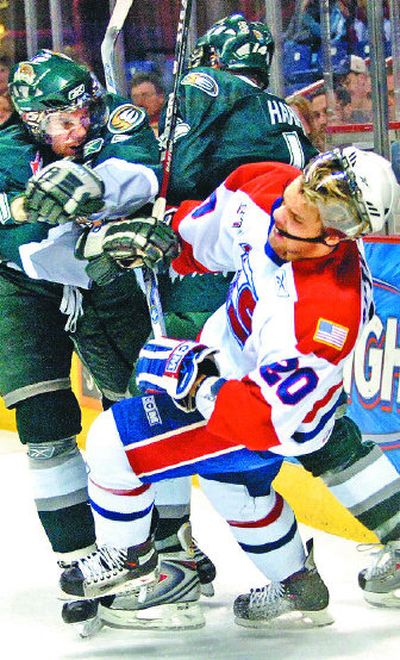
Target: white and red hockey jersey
point(286, 328)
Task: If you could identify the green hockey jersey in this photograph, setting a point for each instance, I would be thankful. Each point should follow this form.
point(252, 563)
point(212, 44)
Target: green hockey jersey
point(225, 120)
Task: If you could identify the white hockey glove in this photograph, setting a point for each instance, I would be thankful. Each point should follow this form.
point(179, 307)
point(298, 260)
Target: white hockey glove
point(100, 268)
point(139, 242)
point(176, 367)
point(206, 395)
point(63, 191)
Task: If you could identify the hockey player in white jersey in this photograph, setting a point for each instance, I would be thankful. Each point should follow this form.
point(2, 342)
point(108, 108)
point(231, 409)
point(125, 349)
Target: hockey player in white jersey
point(269, 385)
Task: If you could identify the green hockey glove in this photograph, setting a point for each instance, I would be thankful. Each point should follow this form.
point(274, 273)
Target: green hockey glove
point(139, 242)
point(101, 268)
point(63, 191)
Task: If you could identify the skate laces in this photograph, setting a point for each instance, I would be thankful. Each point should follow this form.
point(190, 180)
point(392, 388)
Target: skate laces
point(385, 558)
point(102, 564)
point(267, 598)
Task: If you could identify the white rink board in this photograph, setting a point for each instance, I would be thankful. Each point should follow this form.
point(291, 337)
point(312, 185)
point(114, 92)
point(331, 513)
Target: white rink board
point(31, 625)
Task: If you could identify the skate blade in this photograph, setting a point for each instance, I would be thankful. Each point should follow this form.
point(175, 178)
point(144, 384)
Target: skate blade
point(132, 586)
point(89, 628)
point(391, 599)
point(175, 616)
point(207, 590)
point(290, 620)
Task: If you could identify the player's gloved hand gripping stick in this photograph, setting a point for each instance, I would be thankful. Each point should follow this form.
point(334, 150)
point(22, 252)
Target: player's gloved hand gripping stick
point(145, 241)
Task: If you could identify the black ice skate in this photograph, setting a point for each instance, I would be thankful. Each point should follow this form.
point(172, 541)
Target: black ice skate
point(380, 582)
point(109, 571)
point(302, 598)
point(173, 604)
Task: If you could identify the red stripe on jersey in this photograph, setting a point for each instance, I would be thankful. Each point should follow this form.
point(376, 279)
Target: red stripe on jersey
point(242, 414)
point(182, 447)
point(264, 522)
point(328, 288)
point(134, 492)
point(320, 404)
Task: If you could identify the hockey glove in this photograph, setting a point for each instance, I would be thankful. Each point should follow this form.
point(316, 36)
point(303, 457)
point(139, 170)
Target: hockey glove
point(176, 367)
point(140, 242)
point(100, 267)
point(63, 191)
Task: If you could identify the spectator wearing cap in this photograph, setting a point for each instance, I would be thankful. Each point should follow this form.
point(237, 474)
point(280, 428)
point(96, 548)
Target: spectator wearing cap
point(358, 84)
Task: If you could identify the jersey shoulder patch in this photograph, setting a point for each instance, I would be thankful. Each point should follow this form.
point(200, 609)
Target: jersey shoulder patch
point(125, 118)
point(202, 81)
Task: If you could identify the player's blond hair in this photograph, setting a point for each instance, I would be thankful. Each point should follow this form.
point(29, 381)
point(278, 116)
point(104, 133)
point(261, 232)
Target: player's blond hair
point(330, 185)
point(321, 182)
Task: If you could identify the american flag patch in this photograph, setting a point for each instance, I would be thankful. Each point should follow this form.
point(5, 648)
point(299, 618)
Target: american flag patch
point(331, 334)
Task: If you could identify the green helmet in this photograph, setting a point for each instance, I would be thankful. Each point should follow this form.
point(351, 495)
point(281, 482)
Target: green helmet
point(234, 43)
point(50, 82)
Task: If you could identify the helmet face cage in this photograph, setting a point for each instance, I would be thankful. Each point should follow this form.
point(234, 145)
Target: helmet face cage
point(50, 83)
point(234, 43)
point(339, 198)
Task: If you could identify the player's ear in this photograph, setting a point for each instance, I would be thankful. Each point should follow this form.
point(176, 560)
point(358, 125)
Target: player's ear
point(332, 237)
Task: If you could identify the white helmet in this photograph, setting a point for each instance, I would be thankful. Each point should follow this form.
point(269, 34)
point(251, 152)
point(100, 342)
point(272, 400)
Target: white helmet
point(373, 193)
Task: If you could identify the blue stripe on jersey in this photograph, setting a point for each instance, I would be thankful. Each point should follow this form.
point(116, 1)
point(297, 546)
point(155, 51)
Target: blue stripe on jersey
point(123, 517)
point(274, 545)
point(236, 461)
point(304, 437)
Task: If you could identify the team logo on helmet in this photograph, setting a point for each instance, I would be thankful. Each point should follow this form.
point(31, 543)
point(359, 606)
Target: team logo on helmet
point(75, 93)
point(25, 72)
point(202, 81)
point(125, 118)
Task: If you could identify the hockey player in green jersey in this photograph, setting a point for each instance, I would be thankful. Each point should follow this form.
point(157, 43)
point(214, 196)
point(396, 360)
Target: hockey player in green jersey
point(226, 117)
point(93, 158)
point(48, 304)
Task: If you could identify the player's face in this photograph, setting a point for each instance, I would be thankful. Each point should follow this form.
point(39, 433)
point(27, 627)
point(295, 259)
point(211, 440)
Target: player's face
point(298, 217)
point(67, 131)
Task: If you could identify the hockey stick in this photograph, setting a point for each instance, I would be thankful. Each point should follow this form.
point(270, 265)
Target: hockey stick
point(146, 278)
point(150, 280)
point(114, 27)
point(172, 105)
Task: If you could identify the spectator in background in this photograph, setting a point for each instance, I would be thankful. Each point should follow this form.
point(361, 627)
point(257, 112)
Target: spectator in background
point(304, 111)
point(343, 105)
point(5, 66)
point(358, 84)
point(305, 26)
point(319, 109)
point(148, 92)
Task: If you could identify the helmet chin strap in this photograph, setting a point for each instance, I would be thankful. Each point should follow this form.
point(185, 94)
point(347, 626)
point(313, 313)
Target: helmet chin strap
point(316, 239)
